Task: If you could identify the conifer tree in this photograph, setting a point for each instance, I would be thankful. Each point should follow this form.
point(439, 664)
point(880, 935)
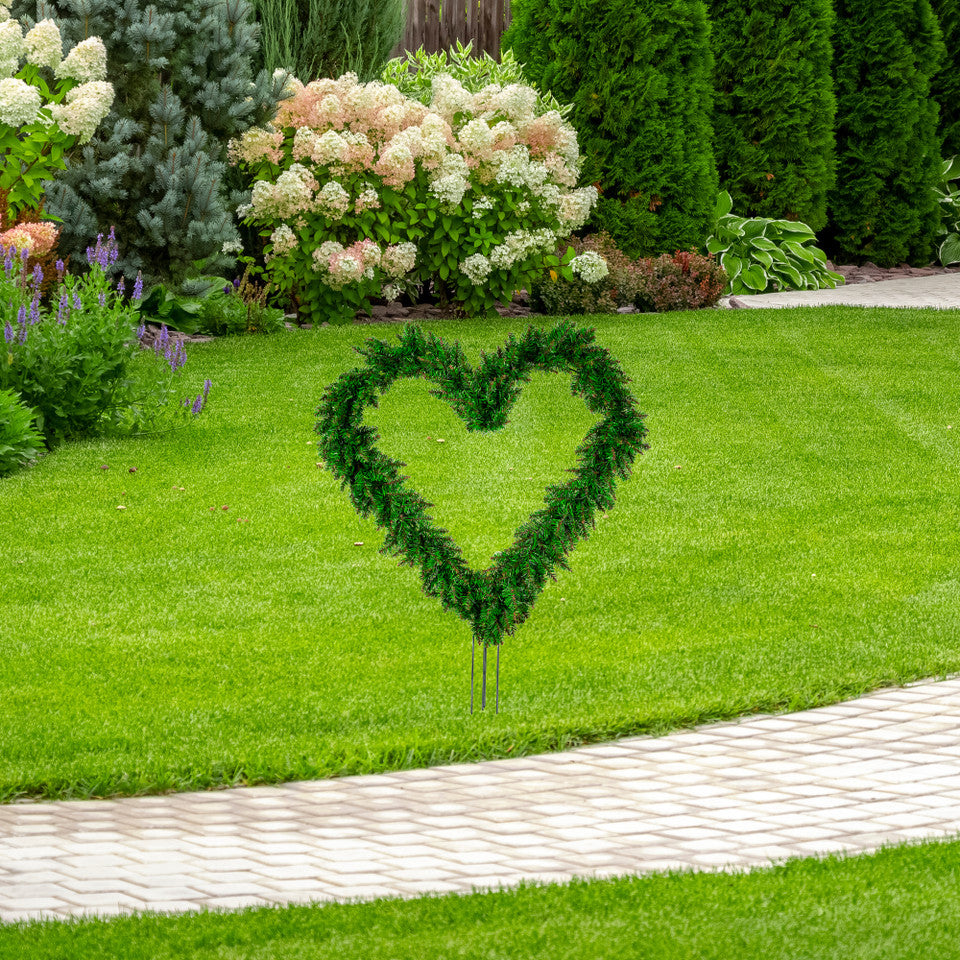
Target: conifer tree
point(638, 73)
point(156, 167)
point(946, 84)
point(884, 207)
point(774, 107)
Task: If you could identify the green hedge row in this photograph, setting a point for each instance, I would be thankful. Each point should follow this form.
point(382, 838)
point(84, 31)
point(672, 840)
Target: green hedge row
point(824, 111)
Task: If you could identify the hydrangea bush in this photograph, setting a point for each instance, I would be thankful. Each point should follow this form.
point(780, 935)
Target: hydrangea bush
point(362, 192)
point(48, 103)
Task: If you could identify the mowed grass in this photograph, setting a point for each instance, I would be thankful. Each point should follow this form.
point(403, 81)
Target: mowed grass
point(898, 904)
point(790, 538)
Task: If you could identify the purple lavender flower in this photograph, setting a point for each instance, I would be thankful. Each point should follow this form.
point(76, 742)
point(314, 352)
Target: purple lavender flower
point(113, 248)
point(35, 309)
point(227, 288)
point(197, 405)
point(164, 338)
point(8, 262)
point(24, 255)
point(37, 276)
point(22, 334)
point(22, 315)
point(63, 308)
point(60, 268)
point(102, 299)
point(121, 286)
point(138, 287)
point(77, 302)
point(8, 333)
point(141, 330)
point(206, 388)
point(236, 283)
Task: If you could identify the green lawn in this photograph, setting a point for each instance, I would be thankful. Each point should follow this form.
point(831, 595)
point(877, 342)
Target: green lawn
point(900, 904)
point(789, 539)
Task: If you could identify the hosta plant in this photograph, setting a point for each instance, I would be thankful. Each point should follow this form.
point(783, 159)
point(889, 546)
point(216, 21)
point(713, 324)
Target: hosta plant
point(949, 196)
point(362, 192)
point(761, 255)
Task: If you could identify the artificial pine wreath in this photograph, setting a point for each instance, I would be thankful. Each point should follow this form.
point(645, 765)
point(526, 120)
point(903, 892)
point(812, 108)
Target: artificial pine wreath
point(496, 600)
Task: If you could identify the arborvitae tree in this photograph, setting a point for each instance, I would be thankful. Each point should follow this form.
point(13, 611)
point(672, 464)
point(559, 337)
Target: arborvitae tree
point(638, 73)
point(155, 169)
point(327, 38)
point(774, 107)
point(884, 207)
point(946, 84)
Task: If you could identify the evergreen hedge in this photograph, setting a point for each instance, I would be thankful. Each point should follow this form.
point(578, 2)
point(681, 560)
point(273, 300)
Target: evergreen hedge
point(327, 38)
point(884, 207)
point(156, 167)
point(946, 84)
point(774, 107)
point(638, 74)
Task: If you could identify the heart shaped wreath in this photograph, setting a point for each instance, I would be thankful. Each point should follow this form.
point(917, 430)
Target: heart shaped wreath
point(496, 600)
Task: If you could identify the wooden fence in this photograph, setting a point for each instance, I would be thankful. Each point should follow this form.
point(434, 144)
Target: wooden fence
point(439, 24)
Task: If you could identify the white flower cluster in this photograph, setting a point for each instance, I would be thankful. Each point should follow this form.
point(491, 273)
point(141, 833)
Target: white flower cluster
point(589, 266)
point(575, 207)
point(520, 244)
point(332, 201)
point(84, 110)
point(85, 62)
point(287, 197)
point(5, 9)
point(11, 47)
point(451, 180)
point(19, 102)
point(232, 246)
point(284, 241)
point(43, 45)
point(399, 259)
point(476, 268)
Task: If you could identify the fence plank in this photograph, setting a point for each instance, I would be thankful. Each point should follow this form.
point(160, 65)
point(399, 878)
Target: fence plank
point(439, 24)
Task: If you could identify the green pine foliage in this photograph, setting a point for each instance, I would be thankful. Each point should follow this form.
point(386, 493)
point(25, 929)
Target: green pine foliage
point(327, 38)
point(156, 167)
point(884, 206)
point(946, 84)
point(774, 107)
point(638, 73)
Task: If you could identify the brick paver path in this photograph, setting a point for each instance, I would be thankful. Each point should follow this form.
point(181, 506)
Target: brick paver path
point(850, 777)
point(942, 290)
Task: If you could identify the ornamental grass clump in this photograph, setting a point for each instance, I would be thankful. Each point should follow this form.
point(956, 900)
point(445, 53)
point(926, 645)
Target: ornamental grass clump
point(78, 362)
point(362, 192)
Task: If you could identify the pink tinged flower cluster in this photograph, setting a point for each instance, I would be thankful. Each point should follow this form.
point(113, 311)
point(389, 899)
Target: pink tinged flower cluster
point(38, 238)
point(340, 266)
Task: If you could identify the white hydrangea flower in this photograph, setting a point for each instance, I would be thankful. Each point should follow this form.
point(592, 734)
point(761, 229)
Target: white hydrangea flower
point(85, 62)
point(84, 110)
point(398, 259)
point(11, 44)
point(589, 266)
point(232, 246)
point(450, 189)
point(19, 102)
point(284, 240)
point(476, 268)
point(332, 200)
point(4, 10)
point(390, 291)
point(44, 45)
point(448, 97)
